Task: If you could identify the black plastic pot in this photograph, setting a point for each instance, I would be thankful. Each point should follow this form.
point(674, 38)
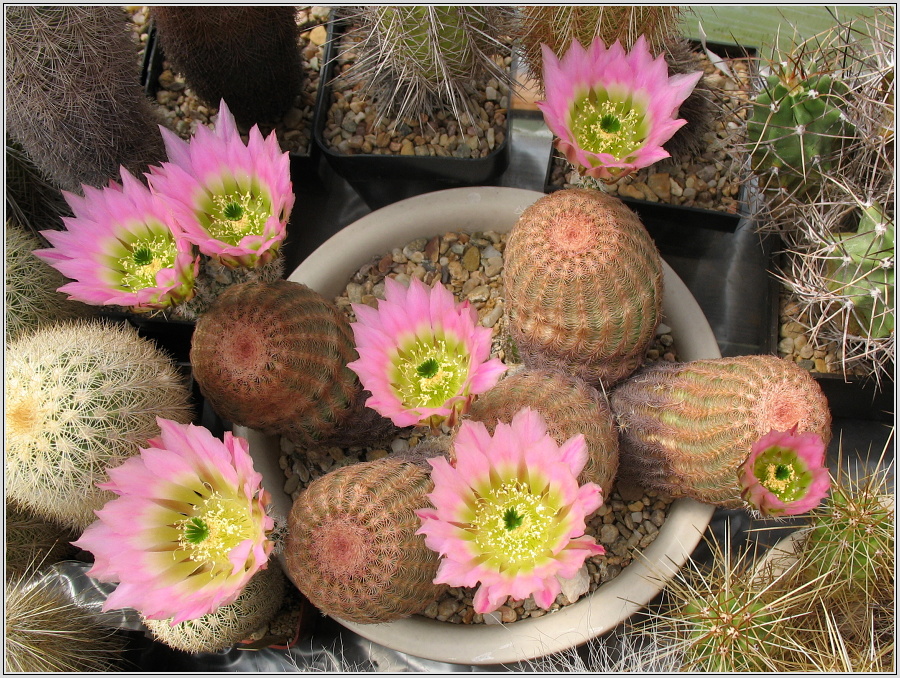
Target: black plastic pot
point(383, 179)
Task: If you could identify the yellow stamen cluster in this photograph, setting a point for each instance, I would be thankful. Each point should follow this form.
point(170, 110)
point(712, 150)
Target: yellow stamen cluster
point(429, 373)
point(235, 215)
point(513, 522)
point(217, 525)
point(146, 258)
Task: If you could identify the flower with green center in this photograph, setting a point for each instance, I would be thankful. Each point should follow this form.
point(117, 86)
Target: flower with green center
point(421, 356)
point(509, 513)
point(122, 247)
point(611, 112)
point(785, 473)
point(233, 200)
point(188, 529)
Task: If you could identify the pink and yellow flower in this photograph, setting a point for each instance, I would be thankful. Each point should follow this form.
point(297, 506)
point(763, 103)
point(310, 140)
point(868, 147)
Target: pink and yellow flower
point(610, 111)
point(509, 513)
point(122, 247)
point(422, 356)
point(188, 529)
point(785, 473)
point(232, 200)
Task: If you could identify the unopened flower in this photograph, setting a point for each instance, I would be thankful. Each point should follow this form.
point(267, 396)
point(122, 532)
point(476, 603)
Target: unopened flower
point(188, 529)
point(233, 200)
point(122, 248)
point(422, 356)
point(610, 111)
point(785, 473)
point(509, 513)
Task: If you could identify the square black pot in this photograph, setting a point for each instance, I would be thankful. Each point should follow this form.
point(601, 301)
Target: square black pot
point(383, 179)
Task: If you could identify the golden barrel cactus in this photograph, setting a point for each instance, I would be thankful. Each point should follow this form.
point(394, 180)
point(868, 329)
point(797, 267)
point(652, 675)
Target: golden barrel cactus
point(584, 284)
point(685, 428)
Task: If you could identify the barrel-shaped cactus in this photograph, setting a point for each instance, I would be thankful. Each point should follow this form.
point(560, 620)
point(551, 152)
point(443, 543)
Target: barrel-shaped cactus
point(273, 356)
point(413, 59)
point(686, 428)
point(797, 128)
point(229, 624)
point(352, 547)
point(860, 270)
point(569, 406)
point(81, 398)
point(583, 282)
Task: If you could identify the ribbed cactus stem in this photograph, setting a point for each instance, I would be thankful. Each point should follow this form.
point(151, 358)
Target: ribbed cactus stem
point(81, 398)
point(583, 282)
point(569, 406)
point(414, 58)
point(273, 356)
point(685, 428)
point(352, 548)
point(73, 96)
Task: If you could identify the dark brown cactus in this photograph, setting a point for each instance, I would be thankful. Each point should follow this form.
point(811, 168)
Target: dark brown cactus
point(685, 428)
point(248, 56)
point(273, 356)
point(569, 406)
point(352, 547)
point(73, 95)
point(583, 284)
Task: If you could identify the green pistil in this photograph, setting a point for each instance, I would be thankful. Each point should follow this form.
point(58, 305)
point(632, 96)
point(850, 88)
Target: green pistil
point(513, 524)
point(236, 215)
point(601, 125)
point(430, 372)
point(195, 531)
point(780, 471)
point(147, 257)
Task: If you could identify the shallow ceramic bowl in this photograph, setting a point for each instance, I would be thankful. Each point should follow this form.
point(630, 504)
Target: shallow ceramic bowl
point(327, 271)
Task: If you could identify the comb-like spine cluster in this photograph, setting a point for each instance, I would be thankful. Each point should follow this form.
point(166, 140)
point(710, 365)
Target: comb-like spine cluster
point(583, 283)
point(352, 547)
point(685, 428)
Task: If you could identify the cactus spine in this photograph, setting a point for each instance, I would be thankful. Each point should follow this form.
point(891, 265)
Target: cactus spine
point(256, 606)
point(569, 406)
point(81, 398)
point(32, 542)
point(413, 59)
point(31, 198)
point(31, 284)
point(273, 356)
point(248, 56)
point(73, 96)
point(46, 631)
point(685, 428)
point(583, 283)
point(352, 548)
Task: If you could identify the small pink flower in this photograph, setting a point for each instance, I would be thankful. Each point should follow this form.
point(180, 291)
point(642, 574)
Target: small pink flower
point(188, 530)
point(233, 200)
point(122, 248)
point(610, 111)
point(509, 513)
point(785, 473)
point(422, 356)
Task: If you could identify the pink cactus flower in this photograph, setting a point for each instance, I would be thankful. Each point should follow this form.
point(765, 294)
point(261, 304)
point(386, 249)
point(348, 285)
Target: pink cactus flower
point(188, 529)
point(785, 473)
point(421, 356)
point(509, 513)
point(610, 111)
point(233, 200)
point(122, 248)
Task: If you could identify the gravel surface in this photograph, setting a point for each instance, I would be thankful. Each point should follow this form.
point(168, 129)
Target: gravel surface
point(470, 265)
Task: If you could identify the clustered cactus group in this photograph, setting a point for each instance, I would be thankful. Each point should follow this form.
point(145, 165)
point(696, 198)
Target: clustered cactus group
point(821, 149)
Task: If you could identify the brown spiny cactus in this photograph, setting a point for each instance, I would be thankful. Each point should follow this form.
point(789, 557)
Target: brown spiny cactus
point(273, 356)
point(569, 405)
point(685, 428)
point(583, 283)
point(247, 56)
point(352, 547)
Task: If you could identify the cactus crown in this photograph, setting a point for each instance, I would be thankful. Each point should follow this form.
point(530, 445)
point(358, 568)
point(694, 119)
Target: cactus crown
point(413, 59)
